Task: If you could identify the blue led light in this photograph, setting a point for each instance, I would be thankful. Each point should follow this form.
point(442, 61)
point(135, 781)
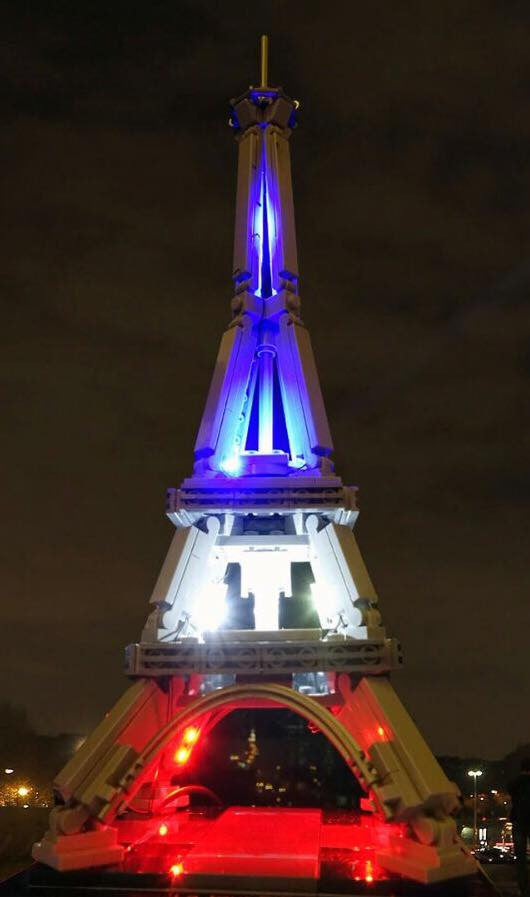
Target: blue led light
point(264, 233)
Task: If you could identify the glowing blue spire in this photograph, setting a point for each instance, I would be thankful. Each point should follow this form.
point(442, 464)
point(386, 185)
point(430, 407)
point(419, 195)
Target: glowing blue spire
point(265, 415)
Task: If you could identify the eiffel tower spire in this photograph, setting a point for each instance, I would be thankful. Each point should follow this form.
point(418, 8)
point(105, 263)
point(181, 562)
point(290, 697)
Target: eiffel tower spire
point(264, 414)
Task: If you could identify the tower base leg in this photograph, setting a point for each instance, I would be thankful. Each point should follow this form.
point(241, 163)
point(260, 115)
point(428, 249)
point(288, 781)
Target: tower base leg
point(426, 864)
point(66, 852)
point(410, 787)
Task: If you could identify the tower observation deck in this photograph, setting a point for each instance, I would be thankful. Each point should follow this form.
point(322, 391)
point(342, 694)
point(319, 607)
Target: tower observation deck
point(263, 599)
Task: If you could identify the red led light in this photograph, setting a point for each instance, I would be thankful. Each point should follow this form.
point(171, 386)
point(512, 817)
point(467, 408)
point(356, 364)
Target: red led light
point(191, 735)
point(176, 869)
point(163, 830)
point(368, 872)
point(380, 731)
point(182, 755)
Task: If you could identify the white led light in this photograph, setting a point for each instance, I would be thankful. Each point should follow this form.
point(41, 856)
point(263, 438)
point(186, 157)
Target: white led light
point(211, 607)
point(265, 574)
point(231, 465)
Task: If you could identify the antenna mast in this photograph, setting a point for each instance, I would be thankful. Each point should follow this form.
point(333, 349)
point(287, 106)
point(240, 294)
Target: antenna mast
point(264, 60)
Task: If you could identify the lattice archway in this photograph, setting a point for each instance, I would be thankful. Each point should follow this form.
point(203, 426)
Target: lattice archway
point(211, 706)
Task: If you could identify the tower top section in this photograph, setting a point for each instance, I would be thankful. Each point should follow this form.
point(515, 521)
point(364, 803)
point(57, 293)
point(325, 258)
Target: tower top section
point(263, 105)
point(264, 438)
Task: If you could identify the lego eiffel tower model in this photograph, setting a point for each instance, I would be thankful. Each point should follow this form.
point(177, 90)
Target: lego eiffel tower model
point(263, 541)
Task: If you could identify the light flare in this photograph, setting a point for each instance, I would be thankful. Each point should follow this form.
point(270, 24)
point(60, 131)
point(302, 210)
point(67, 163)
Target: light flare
point(182, 755)
point(176, 869)
point(231, 465)
point(211, 607)
point(191, 735)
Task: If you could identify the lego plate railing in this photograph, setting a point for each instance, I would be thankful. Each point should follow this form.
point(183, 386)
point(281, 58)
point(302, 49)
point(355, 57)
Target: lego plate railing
point(200, 496)
point(263, 658)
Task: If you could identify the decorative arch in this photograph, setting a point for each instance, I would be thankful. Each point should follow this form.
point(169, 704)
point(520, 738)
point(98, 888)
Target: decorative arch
point(232, 698)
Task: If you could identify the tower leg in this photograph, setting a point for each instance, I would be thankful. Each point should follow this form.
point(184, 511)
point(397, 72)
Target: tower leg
point(410, 785)
point(76, 838)
point(351, 602)
point(183, 576)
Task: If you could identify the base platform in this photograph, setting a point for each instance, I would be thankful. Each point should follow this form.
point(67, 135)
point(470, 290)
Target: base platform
point(40, 881)
point(246, 851)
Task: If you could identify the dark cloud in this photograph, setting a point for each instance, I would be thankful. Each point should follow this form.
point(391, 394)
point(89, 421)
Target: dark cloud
point(411, 181)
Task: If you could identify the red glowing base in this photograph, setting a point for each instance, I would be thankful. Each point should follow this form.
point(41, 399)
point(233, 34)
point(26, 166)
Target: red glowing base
point(258, 843)
point(243, 851)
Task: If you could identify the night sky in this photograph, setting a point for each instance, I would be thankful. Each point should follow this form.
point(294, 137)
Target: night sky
point(411, 176)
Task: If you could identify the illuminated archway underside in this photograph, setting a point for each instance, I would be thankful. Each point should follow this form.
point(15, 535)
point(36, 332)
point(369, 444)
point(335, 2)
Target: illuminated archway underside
point(263, 498)
point(363, 722)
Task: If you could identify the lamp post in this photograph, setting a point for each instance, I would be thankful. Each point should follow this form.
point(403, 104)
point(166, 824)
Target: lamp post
point(475, 773)
point(4, 774)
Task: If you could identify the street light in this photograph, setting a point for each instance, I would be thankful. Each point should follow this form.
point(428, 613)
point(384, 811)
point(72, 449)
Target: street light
point(475, 773)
